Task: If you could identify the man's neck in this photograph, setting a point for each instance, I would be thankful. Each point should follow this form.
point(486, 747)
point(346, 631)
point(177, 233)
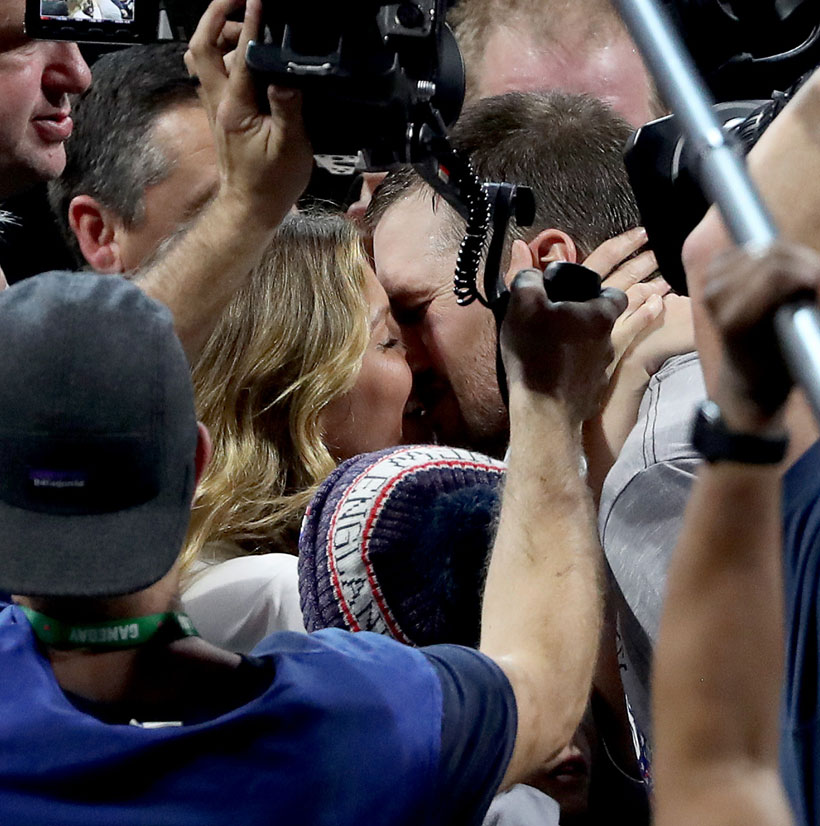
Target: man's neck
point(150, 676)
point(157, 674)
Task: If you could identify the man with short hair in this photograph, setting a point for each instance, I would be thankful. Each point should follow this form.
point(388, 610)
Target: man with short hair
point(142, 166)
point(568, 148)
point(141, 162)
point(578, 46)
point(113, 710)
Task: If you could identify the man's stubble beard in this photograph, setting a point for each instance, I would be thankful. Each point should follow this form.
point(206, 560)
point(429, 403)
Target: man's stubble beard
point(486, 422)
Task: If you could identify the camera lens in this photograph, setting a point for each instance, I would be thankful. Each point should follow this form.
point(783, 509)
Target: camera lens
point(410, 16)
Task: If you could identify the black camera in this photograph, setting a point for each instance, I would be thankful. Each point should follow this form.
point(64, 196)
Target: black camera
point(373, 74)
point(662, 171)
point(748, 50)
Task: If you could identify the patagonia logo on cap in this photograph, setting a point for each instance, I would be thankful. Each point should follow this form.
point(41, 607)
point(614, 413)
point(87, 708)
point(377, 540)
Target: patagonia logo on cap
point(58, 479)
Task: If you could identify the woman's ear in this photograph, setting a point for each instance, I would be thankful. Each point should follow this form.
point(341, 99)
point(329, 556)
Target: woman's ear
point(553, 245)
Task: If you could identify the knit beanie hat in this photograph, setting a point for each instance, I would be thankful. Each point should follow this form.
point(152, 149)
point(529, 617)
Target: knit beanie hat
point(397, 541)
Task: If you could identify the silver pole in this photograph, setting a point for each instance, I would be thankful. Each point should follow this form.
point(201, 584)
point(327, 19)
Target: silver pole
point(722, 174)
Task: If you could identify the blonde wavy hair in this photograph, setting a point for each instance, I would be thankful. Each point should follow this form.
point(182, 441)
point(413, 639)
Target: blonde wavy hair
point(291, 341)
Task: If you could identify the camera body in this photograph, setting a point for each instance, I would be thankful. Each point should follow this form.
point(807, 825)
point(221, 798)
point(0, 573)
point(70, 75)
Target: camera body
point(372, 71)
point(661, 168)
point(752, 54)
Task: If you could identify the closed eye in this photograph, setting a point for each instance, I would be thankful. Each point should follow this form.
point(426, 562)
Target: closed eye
point(409, 315)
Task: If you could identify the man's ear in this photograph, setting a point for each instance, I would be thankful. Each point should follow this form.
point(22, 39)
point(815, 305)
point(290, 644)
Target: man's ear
point(96, 230)
point(552, 245)
point(204, 450)
point(521, 258)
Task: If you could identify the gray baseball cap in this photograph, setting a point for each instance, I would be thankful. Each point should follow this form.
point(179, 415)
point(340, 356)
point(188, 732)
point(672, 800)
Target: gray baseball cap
point(97, 437)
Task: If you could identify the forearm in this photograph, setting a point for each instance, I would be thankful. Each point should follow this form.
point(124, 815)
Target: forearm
point(786, 156)
point(264, 160)
point(542, 602)
point(719, 659)
point(605, 435)
point(621, 410)
point(202, 269)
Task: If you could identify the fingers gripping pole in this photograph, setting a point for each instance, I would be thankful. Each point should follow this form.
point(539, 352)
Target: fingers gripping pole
point(798, 331)
point(722, 174)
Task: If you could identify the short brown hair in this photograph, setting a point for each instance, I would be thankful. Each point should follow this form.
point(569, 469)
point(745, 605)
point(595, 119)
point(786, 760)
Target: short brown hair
point(567, 148)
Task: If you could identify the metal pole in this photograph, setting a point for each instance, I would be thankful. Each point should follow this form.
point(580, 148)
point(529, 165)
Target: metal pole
point(722, 174)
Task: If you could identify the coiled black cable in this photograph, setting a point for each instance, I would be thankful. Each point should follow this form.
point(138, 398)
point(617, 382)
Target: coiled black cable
point(475, 237)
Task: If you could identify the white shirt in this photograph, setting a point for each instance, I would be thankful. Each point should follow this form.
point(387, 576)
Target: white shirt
point(238, 602)
point(523, 806)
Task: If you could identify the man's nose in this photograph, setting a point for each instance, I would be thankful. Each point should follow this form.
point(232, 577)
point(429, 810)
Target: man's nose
point(66, 71)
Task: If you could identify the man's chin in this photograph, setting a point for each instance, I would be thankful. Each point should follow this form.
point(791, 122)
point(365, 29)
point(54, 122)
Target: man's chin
point(418, 430)
point(20, 179)
point(51, 163)
point(481, 440)
point(44, 163)
point(486, 430)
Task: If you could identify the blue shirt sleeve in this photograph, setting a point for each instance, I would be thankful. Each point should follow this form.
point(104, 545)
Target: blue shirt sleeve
point(478, 728)
point(800, 722)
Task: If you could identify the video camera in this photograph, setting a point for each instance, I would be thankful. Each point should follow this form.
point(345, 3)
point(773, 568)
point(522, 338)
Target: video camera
point(374, 73)
point(371, 77)
point(757, 51)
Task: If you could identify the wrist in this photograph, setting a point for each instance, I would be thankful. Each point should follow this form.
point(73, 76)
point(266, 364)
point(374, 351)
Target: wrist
point(526, 403)
point(720, 440)
point(241, 211)
point(536, 418)
point(632, 376)
point(742, 415)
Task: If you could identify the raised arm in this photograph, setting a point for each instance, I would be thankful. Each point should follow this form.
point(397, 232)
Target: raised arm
point(719, 658)
point(264, 165)
point(784, 159)
point(542, 601)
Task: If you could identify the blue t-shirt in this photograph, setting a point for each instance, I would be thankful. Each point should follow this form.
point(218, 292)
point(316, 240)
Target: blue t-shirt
point(800, 732)
point(353, 729)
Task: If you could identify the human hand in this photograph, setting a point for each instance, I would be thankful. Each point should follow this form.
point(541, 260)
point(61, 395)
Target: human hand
point(670, 333)
point(618, 270)
point(264, 159)
point(611, 260)
point(645, 305)
point(742, 295)
point(559, 349)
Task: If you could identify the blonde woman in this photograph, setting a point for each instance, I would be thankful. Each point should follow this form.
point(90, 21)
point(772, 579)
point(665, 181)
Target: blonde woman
point(305, 369)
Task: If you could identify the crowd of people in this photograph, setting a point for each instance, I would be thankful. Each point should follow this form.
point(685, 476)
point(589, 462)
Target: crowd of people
point(275, 545)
